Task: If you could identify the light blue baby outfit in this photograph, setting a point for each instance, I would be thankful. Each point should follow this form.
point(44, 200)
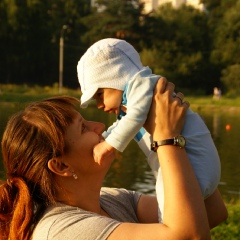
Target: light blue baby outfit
point(114, 63)
point(204, 158)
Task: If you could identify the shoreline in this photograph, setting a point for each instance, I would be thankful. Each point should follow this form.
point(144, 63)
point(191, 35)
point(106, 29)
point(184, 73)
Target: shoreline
point(213, 107)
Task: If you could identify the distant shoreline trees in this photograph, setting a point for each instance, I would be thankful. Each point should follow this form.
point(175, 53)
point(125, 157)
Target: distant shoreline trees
point(196, 50)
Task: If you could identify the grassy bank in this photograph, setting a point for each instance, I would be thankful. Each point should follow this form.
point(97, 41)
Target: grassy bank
point(26, 93)
point(229, 230)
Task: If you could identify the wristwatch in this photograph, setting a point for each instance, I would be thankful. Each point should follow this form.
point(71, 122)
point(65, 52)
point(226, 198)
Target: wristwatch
point(178, 141)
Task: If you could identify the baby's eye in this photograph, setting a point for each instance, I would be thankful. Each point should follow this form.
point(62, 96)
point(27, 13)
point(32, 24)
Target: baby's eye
point(99, 94)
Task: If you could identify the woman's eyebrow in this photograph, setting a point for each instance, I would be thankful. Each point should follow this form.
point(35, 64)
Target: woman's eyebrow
point(80, 119)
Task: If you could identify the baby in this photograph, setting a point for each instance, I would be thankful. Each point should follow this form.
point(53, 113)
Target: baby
point(111, 72)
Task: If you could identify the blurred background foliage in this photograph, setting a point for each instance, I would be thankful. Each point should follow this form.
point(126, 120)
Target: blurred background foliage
point(197, 50)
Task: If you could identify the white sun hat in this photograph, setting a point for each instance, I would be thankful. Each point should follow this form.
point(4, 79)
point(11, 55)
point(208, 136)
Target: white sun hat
point(108, 63)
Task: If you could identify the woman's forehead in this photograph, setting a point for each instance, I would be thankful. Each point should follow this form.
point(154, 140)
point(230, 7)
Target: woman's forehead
point(78, 117)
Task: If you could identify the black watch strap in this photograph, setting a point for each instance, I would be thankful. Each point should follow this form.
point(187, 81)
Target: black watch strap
point(179, 141)
point(156, 144)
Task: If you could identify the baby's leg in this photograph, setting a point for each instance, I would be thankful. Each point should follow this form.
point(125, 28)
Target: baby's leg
point(216, 209)
point(205, 162)
point(202, 153)
point(203, 157)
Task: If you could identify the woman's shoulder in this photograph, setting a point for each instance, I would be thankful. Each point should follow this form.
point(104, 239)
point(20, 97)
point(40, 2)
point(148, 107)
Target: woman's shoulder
point(120, 204)
point(118, 193)
point(66, 222)
point(121, 195)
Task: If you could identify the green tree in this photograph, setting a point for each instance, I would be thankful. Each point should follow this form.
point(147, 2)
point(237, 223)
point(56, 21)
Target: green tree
point(180, 47)
point(226, 49)
point(29, 37)
point(231, 79)
point(116, 19)
point(69, 13)
point(24, 39)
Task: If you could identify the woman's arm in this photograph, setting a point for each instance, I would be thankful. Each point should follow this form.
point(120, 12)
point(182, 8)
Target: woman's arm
point(185, 214)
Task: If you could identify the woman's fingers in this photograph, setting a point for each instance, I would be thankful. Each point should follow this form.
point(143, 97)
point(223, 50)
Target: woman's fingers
point(179, 97)
point(186, 104)
point(161, 85)
point(167, 112)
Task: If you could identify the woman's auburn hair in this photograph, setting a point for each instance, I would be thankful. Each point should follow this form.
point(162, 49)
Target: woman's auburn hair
point(32, 137)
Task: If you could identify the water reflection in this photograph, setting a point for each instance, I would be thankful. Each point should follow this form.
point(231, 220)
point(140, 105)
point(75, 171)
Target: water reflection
point(131, 170)
point(225, 128)
point(216, 125)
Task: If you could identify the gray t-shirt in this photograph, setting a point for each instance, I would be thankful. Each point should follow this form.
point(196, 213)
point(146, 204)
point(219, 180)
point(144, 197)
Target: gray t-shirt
point(66, 222)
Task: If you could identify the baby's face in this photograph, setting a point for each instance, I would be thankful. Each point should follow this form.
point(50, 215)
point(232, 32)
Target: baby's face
point(108, 99)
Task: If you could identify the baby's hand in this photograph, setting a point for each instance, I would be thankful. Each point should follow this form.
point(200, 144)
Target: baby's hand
point(103, 151)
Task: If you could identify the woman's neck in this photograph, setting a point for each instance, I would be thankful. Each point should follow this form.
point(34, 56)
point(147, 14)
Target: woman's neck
point(79, 193)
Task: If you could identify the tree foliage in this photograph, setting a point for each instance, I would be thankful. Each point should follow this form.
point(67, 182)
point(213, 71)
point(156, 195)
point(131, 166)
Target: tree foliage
point(181, 49)
point(194, 49)
point(116, 19)
point(29, 37)
point(226, 45)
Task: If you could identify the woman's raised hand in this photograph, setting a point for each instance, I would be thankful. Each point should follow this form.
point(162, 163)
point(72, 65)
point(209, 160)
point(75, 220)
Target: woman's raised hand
point(167, 112)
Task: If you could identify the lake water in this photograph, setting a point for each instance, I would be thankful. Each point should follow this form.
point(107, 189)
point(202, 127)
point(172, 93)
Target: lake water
point(130, 169)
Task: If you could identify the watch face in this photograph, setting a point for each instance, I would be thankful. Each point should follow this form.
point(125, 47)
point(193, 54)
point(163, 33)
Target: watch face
point(181, 141)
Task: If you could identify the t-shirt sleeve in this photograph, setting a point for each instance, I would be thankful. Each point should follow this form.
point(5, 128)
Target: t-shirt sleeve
point(121, 203)
point(84, 227)
point(67, 222)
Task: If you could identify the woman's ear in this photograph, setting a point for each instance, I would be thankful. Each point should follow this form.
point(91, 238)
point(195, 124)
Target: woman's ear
point(59, 168)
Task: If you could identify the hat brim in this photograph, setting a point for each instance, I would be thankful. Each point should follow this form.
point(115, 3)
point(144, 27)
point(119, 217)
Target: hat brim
point(87, 97)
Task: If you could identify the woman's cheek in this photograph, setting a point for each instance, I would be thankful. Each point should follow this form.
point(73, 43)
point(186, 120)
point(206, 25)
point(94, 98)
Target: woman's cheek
point(89, 140)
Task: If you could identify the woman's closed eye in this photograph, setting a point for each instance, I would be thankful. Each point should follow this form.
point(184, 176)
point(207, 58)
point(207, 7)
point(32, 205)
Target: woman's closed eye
point(84, 128)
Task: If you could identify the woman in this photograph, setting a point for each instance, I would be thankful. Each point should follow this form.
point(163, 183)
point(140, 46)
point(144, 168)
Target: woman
point(54, 186)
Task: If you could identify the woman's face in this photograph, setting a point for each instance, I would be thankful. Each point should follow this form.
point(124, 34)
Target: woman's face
point(81, 137)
